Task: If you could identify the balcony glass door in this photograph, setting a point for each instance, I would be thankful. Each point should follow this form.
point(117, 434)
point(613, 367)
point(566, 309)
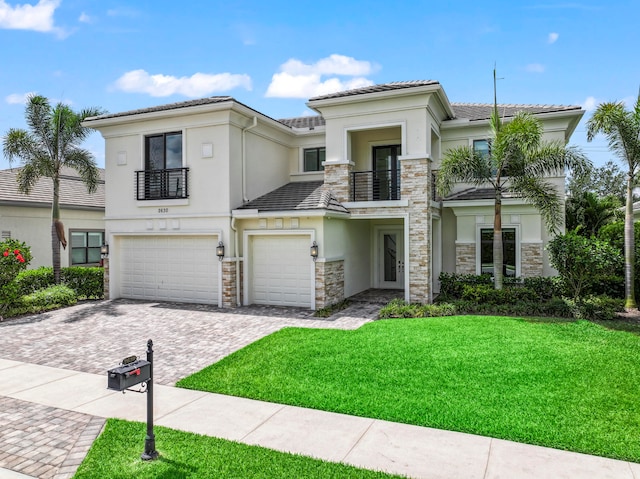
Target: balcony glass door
point(386, 169)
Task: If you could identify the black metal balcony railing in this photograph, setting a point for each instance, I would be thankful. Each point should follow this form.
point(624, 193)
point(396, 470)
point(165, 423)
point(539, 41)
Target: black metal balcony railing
point(162, 184)
point(378, 185)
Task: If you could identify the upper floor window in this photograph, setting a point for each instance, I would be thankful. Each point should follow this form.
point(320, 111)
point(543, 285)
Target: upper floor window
point(313, 159)
point(163, 151)
point(482, 147)
point(85, 247)
point(163, 176)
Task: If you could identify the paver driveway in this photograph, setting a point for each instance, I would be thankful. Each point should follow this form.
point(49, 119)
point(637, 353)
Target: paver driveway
point(95, 336)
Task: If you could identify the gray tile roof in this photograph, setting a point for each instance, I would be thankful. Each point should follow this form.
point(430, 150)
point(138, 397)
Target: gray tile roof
point(73, 193)
point(377, 88)
point(307, 195)
point(311, 121)
point(482, 111)
point(170, 106)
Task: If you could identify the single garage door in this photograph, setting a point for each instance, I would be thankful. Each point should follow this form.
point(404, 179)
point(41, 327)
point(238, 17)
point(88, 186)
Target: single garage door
point(281, 270)
point(169, 268)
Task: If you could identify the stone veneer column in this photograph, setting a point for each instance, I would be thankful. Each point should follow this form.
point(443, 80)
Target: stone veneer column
point(229, 284)
point(337, 178)
point(416, 187)
point(466, 258)
point(329, 283)
point(531, 263)
point(105, 266)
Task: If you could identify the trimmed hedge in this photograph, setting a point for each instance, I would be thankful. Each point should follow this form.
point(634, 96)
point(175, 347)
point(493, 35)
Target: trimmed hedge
point(87, 282)
point(49, 298)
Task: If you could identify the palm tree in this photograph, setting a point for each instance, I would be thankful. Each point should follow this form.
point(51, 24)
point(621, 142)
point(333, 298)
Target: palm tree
point(51, 144)
point(587, 213)
point(622, 129)
point(517, 162)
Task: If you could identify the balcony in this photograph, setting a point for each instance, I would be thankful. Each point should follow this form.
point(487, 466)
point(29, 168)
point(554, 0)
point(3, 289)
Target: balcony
point(377, 185)
point(167, 184)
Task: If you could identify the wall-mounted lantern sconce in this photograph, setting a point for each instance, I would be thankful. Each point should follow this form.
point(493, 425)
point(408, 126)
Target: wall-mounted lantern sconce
point(220, 250)
point(104, 251)
point(314, 251)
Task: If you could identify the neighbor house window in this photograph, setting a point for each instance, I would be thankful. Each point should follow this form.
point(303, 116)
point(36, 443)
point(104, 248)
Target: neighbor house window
point(482, 147)
point(85, 247)
point(313, 159)
point(508, 251)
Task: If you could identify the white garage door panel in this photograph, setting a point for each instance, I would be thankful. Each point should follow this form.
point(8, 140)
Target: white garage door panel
point(173, 268)
point(281, 270)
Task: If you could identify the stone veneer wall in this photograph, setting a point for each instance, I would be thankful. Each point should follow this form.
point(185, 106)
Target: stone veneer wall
point(531, 263)
point(417, 188)
point(105, 264)
point(229, 283)
point(329, 283)
point(337, 178)
point(466, 258)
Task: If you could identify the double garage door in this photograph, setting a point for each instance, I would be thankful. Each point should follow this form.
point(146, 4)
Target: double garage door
point(169, 268)
point(280, 270)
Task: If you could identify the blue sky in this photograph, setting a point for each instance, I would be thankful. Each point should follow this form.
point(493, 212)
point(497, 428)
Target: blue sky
point(273, 55)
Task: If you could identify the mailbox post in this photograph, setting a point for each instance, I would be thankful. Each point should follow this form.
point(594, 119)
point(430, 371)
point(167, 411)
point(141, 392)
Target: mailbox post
point(131, 372)
point(150, 452)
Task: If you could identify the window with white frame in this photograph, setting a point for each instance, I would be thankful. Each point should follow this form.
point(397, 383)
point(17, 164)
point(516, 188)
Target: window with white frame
point(313, 158)
point(508, 251)
point(85, 247)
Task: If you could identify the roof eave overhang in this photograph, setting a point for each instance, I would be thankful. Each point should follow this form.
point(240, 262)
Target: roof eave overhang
point(317, 213)
point(435, 87)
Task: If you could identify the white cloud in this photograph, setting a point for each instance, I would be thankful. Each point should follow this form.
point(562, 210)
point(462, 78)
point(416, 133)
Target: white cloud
point(590, 103)
point(197, 85)
point(535, 68)
point(84, 18)
point(301, 80)
point(552, 38)
point(18, 98)
point(37, 17)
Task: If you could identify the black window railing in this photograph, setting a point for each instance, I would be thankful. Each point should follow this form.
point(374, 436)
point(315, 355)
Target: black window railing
point(162, 184)
point(377, 185)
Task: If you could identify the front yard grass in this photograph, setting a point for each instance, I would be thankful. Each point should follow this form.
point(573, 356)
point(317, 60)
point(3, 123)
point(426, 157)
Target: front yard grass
point(566, 384)
point(116, 454)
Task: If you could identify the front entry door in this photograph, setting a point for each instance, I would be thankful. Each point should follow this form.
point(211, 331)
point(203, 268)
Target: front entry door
point(391, 259)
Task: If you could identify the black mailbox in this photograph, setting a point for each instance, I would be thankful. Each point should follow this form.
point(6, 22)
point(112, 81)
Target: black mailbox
point(127, 375)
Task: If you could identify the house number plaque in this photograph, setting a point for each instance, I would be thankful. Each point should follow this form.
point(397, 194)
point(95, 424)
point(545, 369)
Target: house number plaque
point(163, 210)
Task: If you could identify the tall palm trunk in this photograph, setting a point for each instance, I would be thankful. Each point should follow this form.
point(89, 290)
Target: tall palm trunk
point(55, 240)
point(497, 241)
point(629, 248)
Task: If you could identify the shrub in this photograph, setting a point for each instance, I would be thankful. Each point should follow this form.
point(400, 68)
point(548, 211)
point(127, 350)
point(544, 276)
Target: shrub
point(34, 279)
point(482, 293)
point(49, 298)
point(545, 287)
point(452, 284)
point(399, 308)
point(596, 307)
point(87, 282)
point(15, 256)
point(579, 260)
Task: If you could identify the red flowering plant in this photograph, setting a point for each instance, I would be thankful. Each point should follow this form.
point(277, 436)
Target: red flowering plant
point(15, 256)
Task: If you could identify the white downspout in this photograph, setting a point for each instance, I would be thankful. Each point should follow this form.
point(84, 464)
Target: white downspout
point(244, 159)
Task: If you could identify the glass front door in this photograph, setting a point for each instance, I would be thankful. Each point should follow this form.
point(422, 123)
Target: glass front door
point(391, 259)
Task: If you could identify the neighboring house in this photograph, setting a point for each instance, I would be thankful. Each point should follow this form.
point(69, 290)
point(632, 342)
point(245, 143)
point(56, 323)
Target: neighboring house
point(28, 218)
point(354, 184)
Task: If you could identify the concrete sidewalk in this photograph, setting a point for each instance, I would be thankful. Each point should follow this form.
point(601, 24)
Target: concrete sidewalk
point(413, 451)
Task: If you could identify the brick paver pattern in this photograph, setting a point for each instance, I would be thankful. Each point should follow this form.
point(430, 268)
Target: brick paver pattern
point(46, 442)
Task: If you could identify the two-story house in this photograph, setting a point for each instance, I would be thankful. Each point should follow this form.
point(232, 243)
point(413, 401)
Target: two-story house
point(211, 201)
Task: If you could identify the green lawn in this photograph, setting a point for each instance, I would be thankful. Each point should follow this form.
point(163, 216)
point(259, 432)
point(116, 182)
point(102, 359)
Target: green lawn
point(116, 455)
point(563, 384)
